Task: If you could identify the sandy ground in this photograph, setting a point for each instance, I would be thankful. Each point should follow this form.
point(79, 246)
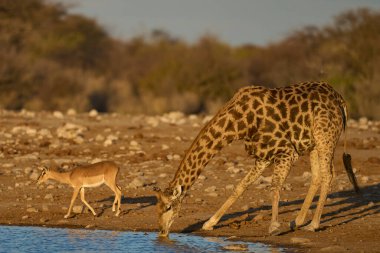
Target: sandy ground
point(148, 150)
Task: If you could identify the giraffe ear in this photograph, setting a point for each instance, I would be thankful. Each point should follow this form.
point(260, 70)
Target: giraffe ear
point(177, 192)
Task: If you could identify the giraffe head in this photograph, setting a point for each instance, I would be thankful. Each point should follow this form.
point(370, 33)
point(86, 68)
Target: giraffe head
point(168, 206)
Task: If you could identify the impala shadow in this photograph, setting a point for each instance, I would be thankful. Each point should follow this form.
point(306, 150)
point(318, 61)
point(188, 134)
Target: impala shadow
point(143, 201)
point(354, 206)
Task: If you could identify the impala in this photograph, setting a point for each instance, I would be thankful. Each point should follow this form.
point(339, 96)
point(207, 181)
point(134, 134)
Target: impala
point(92, 175)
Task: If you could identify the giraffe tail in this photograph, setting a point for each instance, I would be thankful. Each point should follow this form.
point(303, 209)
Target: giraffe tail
point(346, 156)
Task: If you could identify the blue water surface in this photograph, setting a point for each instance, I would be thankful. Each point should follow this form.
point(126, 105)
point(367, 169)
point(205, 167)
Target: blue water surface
point(41, 239)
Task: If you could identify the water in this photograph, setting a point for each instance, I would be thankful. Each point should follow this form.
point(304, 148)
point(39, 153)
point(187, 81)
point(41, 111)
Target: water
point(38, 239)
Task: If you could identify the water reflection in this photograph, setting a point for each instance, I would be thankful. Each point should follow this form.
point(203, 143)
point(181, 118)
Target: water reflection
point(37, 239)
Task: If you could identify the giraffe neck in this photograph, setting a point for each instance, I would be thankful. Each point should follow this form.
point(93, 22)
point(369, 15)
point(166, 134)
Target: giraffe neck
point(211, 139)
point(235, 120)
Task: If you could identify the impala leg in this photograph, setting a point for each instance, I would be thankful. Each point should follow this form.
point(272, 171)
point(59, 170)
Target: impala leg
point(240, 188)
point(117, 199)
point(85, 202)
point(75, 195)
point(314, 186)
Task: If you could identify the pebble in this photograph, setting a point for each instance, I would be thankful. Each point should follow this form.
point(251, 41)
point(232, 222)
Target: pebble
point(44, 220)
point(164, 147)
point(210, 189)
point(233, 170)
point(236, 247)
point(45, 208)
point(71, 112)
point(93, 113)
point(32, 210)
point(300, 240)
point(25, 217)
point(49, 196)
point(78, 209)
point(258, 217)
point(136, 183)
point(230, 187)
point(364, 179)
point(58, 114)
point(213, 194)
point(28, 170)
point(334, 248)
point(202, 177)
point(35, 175)
point(198, 200)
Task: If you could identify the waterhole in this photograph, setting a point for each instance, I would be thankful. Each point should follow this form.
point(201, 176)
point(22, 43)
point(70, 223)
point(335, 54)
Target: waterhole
point(41, 239)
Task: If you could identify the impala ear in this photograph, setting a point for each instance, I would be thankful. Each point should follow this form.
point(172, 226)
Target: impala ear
point(177, 192)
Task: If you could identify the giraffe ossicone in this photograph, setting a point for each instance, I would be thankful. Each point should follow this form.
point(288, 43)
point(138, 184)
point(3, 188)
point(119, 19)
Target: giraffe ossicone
point(278, 125)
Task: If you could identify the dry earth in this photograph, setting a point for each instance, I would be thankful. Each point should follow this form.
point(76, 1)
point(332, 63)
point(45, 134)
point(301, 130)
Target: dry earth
point(148, 150)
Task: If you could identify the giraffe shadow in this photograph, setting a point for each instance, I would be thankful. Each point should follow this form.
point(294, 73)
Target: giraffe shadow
point(354, 207)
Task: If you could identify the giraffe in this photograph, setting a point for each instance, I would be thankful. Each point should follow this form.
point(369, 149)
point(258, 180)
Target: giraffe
point(277, 125)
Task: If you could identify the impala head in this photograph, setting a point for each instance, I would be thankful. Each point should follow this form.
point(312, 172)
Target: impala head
point(168, 206)
point(44, 175)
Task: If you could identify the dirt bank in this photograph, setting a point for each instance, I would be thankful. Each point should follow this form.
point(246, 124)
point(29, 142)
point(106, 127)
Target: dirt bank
point(148, 150)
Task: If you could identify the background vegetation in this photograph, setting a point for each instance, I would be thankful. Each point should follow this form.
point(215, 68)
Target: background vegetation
point(52, 60)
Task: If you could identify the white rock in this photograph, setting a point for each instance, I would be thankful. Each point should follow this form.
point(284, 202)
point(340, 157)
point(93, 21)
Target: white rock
point(35, 175)
point(45, 133)
point(28, 170)
point(164, 147)
point(202, 177)
point(99, 137)
point(32, 210)
point(210, 189)
point(363, 121)
point(78, 209)
point(206, 119)
point(233, 170)
point(71, 131)
point(93, 113)
point(71, 112)
point(58, 114)
point(152, 121)
point(230, 187)
point(300, 240)
point(136, 183)
point(364, 179)
point(176, 157)
point(49, 196)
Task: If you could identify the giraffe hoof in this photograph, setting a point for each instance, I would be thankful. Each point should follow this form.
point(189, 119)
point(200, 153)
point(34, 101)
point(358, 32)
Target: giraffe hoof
point(274, 228)
point(67, 216)
point(207, 227)
point(293, 226)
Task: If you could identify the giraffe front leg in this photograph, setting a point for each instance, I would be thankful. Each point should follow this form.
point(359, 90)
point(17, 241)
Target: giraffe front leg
point(240, 188)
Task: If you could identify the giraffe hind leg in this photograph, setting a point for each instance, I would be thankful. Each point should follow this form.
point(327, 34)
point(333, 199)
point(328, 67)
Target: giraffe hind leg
point(281, 172)
point(314, 186)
